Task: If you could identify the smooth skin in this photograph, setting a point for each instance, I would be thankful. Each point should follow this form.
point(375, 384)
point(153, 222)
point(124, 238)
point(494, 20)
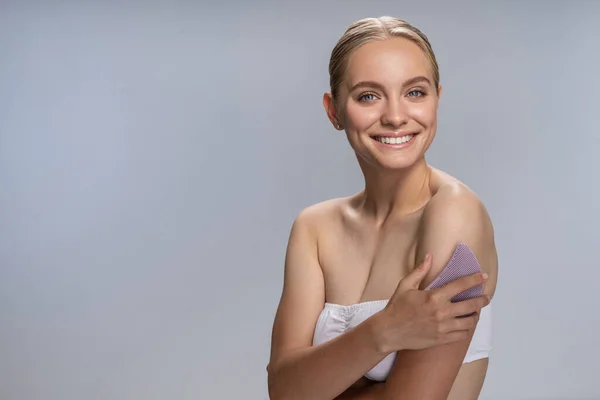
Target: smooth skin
point(374, 245)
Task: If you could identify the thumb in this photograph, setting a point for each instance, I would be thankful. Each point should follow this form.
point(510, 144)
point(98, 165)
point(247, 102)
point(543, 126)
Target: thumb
point(412, 280)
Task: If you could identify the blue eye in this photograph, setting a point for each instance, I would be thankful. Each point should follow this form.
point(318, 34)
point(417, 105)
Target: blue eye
point(367, 97)
point(416, 93)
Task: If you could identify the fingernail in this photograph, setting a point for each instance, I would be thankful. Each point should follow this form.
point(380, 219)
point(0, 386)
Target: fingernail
point(485, 276)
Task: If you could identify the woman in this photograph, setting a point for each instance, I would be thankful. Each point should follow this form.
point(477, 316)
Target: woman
point(336, 334)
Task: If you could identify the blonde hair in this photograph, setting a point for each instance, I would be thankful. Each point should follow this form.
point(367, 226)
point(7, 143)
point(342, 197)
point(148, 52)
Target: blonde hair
point(369, 30)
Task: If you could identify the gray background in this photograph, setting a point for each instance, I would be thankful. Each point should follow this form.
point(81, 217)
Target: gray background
point(154, 155)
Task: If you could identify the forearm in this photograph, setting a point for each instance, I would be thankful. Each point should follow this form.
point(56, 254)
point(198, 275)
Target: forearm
point(327, 370)
point(371, 392)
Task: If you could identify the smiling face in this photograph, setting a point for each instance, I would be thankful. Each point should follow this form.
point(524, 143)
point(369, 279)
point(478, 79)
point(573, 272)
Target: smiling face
point(387, 103)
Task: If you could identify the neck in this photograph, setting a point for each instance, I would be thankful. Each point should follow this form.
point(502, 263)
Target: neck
point(395, 193)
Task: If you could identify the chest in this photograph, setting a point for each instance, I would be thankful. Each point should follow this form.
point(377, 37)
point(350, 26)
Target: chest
point(363, 264)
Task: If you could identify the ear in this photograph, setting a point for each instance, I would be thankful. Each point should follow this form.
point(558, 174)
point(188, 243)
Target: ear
point(439, 96)
point(331, 110)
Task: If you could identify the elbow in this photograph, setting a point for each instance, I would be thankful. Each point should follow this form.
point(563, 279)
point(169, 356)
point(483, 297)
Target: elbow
point(275, 388)
point(277, 392)
point(274, 391)
point(273, 395)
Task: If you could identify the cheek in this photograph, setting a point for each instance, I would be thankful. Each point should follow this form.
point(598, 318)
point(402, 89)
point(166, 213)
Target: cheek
point(425, 114)
point(361, 116)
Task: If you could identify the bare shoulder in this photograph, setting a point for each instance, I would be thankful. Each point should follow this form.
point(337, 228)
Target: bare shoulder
point(320, 216)
point(455, 204)
point(456, 214)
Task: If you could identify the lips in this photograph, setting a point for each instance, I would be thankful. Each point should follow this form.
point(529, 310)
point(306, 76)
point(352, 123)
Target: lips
point(393, 135)
point(394, 139)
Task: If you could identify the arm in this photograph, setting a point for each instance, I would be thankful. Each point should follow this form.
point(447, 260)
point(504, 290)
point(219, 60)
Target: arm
point(297, 370)
point(372, 392)
point(451, 217)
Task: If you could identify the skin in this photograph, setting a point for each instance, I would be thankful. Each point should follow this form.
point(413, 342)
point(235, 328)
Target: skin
point(357, 249)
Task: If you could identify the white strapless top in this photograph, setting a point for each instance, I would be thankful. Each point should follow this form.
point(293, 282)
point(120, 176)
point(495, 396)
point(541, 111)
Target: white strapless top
point(336, 319)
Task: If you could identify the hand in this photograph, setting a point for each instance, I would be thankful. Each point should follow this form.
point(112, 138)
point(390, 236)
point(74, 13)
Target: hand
point(417, 319)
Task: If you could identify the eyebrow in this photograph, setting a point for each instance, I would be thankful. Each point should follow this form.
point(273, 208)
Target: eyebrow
point(378, 85)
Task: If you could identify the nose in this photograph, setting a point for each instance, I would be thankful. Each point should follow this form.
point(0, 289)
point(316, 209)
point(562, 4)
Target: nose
point(394, 114)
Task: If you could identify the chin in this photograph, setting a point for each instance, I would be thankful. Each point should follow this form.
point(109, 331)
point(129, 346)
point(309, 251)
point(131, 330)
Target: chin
point(386, 163)
point(398, 166)
point(398, 161)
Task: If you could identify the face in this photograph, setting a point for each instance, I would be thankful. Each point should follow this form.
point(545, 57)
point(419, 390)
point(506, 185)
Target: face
point(387, 103)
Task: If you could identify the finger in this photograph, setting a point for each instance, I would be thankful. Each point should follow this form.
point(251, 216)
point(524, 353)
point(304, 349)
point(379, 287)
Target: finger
point(453, 288)
point(460, 324)
point(455, 336)
point(416, 276)
point(468, 306)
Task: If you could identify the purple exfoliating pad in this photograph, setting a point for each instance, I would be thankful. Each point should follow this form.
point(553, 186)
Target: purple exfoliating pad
point(462, 263)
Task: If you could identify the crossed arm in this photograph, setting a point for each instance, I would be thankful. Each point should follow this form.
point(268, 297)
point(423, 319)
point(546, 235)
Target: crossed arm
point(428, 374)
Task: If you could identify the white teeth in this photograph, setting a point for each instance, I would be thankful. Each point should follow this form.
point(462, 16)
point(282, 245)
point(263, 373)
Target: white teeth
point(394, 140)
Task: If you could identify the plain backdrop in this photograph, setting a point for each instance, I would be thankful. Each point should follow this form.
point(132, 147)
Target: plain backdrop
point(153, 156)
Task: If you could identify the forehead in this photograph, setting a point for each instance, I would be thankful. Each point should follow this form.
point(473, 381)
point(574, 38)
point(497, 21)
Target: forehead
point(390, 61)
